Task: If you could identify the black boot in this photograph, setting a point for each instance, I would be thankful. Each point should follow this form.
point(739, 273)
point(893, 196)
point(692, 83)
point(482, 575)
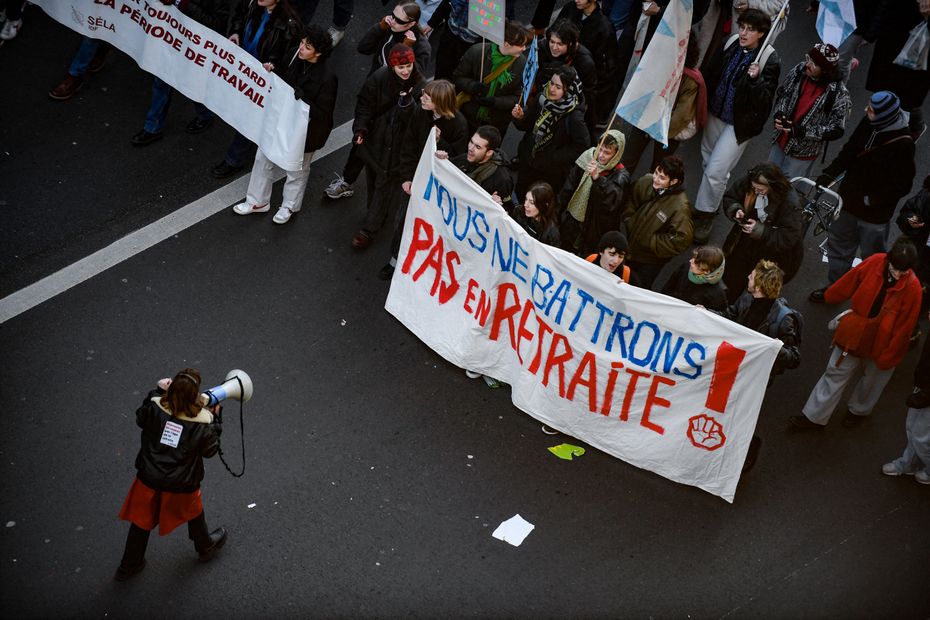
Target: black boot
point(205, 542)
point(703, 225)
point(134, 554)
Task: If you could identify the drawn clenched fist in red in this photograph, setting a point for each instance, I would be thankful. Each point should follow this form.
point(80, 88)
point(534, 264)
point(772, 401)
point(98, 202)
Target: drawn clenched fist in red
point(705, 432)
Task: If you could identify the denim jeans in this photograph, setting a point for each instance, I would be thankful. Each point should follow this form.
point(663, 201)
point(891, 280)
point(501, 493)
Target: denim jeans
point(84, 56)
point(917, 450)
point(158, 108)
point(848, 234)
point(239, 150)
point(789, 165)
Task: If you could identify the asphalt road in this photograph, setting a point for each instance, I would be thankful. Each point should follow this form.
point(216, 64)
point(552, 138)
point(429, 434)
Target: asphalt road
point(377, 470)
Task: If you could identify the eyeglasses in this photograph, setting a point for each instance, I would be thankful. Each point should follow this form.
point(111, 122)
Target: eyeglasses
point(403, 21)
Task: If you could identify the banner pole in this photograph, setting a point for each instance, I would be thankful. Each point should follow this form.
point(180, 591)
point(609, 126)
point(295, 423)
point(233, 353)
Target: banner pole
point(481, 70)
point(778, 18)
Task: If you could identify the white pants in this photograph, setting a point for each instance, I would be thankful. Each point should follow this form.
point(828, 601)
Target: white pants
point(262, 178)
point(829, 389)
point(720, 153)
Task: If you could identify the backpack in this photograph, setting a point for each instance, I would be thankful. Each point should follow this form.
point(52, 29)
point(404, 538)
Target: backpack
point(782, 312)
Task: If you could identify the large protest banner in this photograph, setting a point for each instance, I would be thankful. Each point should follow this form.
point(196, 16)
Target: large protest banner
point(649, 379)
point(201, 64)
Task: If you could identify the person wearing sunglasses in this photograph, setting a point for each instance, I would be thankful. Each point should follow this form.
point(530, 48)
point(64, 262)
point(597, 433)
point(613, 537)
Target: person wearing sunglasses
point(398, 26)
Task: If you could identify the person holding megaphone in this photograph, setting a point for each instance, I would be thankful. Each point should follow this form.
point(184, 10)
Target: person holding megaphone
point(178, 432)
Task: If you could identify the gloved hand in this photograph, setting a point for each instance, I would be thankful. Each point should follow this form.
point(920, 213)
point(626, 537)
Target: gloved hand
point(298, 93)
point(798, 132)
point(478, 89)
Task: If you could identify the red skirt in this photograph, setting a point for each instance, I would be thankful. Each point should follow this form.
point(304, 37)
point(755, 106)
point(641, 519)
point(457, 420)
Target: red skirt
point(147, 508)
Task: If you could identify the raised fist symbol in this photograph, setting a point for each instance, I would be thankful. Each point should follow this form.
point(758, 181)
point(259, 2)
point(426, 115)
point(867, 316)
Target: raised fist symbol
point(705, 432)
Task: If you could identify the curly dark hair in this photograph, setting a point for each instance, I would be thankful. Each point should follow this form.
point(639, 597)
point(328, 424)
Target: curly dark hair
point(319, 38)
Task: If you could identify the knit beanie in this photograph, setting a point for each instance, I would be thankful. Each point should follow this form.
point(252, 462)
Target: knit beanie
point(613, 239)
point(886, 106)
point(825, 56)
point(400, 54)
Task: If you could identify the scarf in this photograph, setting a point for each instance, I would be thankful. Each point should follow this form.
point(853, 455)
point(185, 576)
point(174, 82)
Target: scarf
point(499, 76)
point(250, 41)
point(578, 205)
point(700, 102)
point(552, 111)
point(707, 278)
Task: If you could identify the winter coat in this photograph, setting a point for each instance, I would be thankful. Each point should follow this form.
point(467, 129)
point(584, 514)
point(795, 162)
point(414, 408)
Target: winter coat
point(379, 39)
point(280, 33)
point(777, 239)
point(605, 204)
point(892, 25)
point(598, 35)
point(551, 162)
point(317, 86)
point(899, 312)
point(453, 138)
point(549, 236)
point(493, 177)
point(754, 97)
point(711, 296)
point(919, 205)
point(382, 111)
point(824, 121)
point(582, 62)
point(788, 330)
point(879, 176)
point(658, 226)
point(505, 97)
point(214, 14)
point(163, 467)
point(685, 108)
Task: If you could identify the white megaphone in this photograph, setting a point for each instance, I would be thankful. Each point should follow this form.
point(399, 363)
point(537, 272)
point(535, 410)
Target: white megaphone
point(238, 386)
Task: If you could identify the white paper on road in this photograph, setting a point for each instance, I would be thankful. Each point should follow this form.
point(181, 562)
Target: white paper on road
point(514, 530)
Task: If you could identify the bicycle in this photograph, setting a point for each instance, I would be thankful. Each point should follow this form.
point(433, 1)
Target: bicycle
point(822, 206)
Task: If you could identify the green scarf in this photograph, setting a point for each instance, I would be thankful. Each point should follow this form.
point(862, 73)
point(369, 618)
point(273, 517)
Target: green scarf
point(578, 205)
point(708, 278)
point(500, 64)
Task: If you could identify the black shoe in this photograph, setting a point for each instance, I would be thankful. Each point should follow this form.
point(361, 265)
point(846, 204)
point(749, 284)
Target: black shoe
point(224, 170)
point(386, 273)
point(816, 297)
point(703, 225)
point(198, 125)
point(217, 540)
point(752, 455)
point(918, 399)
point(144, 138)
point(802, 422)
point(851, 420)
point(124, 573)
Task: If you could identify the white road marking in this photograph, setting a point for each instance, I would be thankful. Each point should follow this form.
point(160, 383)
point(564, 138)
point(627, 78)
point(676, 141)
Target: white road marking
point(138, 241)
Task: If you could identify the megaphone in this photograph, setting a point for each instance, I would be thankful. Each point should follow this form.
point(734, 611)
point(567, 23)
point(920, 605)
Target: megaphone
point(238, 386)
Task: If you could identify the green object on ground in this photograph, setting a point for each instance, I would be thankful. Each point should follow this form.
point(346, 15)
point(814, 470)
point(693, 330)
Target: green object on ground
point(566, 451)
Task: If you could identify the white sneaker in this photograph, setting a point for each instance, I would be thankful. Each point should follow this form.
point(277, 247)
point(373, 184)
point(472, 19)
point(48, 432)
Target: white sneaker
point(244, 208)
point(339, 188)
point(472, 375)
point(11, 29)
point(283, 215)
point(336, 35)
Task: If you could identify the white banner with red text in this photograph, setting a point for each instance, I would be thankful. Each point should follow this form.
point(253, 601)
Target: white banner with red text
point(202, 65)
point(654, 381)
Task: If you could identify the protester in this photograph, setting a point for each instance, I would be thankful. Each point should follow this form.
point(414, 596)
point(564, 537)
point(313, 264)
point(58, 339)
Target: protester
point(177, 434)
point(489, 78)
point(554, 130)
point(13, 12)
point(456, 38)
point(438, 119)
point(699, 281)
point(400, 26)
point(313, 82)
point(893, 24)
point(611, 255)
point(265, 29)
point(877, 164)
point(689, 115)
point(916, 457)
point(210, 13)
point(342, 15)
point(873, 336)
point(761, 309)
point(483, 162)
point(767, 224)
point(914, 222)
point(562, 47)
point(537, 214)
point(657, 219)
point(597, 34)
point(90, 58)
point(383, 110)
point(811, 107)
point(741, 81)
point(593, 195)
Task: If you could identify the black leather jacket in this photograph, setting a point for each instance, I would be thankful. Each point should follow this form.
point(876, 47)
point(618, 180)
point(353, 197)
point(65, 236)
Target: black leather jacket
point(175, 469)
point(788, 330)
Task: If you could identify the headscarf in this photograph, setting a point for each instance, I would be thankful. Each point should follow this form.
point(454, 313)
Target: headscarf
point(578, 205)
point(552, 111)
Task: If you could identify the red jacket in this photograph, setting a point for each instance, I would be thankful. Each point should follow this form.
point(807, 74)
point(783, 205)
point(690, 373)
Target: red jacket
point(899, 313)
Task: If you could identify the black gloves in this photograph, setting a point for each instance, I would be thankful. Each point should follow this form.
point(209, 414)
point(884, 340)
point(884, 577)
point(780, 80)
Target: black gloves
point(478, 89)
